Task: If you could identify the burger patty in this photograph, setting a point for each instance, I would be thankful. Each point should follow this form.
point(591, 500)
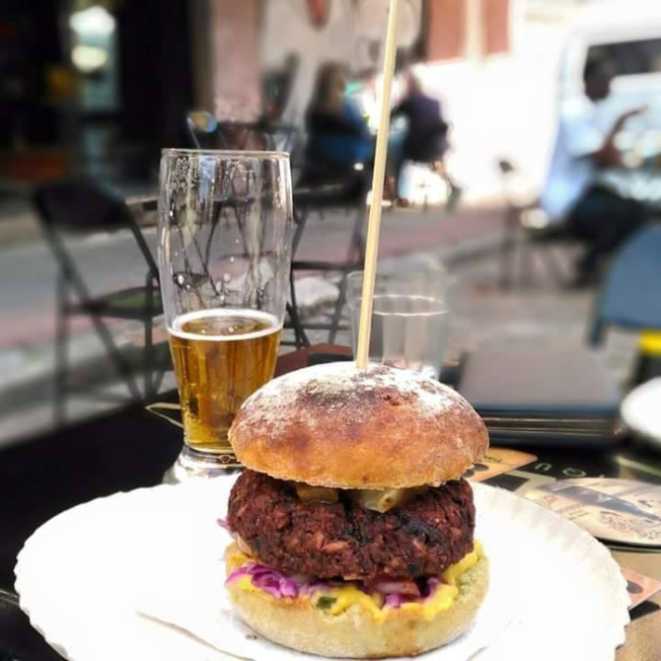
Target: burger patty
point(421, 538)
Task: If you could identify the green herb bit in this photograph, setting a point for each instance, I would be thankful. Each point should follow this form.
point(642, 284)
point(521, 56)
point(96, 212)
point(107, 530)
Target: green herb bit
point(325, 602)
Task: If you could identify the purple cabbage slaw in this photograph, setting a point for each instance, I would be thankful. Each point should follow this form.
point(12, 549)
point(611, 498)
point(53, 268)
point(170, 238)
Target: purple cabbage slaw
point(395, 593)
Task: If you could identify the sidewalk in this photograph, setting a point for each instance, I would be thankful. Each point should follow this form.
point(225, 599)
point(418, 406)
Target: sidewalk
point(112, 261)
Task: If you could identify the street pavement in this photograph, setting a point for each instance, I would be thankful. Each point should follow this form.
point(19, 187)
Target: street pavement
point(112, 261)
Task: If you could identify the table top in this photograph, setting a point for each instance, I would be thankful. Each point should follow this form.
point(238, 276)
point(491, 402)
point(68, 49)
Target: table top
point(132, 448)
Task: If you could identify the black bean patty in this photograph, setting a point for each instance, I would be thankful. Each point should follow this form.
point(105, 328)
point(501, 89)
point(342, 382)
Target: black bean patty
point(344, 540)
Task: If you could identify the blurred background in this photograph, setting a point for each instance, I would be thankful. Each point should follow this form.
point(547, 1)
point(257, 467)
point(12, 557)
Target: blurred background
point(94, 90)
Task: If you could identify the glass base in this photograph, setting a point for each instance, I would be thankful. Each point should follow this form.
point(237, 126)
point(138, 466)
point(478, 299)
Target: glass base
point(194, 465)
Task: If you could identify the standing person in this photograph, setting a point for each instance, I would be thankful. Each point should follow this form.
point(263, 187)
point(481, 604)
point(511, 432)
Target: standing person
point(426, 138)
point(338, 136)
point(597, 215)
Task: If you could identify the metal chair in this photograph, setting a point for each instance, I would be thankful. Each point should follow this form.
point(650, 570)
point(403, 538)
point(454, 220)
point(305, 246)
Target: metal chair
point(316, 198)
point(206, 132)
point(202, 126)
point(630, 296)
point(526, 227)
point(71, 208)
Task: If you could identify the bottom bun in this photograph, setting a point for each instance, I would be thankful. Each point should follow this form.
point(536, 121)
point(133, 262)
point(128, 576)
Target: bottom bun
point(298, 624)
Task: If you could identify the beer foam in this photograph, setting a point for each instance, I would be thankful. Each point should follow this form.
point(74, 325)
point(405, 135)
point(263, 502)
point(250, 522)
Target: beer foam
point(241, 313)
point(344, 385)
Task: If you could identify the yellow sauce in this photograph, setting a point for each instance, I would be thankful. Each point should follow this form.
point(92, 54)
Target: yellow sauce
point(341, 599)
point(453, 572)
point(348, 596)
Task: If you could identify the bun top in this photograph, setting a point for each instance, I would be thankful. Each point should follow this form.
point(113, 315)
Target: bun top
point(335, 425)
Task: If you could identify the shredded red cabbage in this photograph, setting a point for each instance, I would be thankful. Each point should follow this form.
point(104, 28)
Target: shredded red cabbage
point(408, 588)
point(396, 600)
point(266, 579)
point(396, 593)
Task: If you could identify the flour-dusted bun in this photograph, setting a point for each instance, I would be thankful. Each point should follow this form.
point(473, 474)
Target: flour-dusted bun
point(335, 425)
point(355, 633)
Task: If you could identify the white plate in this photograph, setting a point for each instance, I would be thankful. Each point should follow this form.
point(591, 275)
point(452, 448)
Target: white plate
point(641, 411)
point(82, 578)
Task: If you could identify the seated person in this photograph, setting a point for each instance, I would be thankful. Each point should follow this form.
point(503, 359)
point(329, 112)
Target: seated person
point(573, 194)
point(426, 139)
point(338, 136)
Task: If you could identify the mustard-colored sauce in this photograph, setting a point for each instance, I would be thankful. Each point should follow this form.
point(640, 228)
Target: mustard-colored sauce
point(342, 598)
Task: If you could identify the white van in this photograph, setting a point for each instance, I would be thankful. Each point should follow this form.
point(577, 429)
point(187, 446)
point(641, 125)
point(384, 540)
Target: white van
point(629, 33)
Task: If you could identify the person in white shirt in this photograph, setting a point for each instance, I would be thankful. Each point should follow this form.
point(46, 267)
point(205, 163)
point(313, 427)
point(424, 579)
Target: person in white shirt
point(593, 213)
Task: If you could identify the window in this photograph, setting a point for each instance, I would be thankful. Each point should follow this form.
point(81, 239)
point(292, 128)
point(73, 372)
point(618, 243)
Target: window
point(631, 57)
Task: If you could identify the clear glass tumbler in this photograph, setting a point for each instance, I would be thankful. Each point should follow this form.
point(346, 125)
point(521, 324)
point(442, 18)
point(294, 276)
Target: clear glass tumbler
point(410, 318)
point(225, 232)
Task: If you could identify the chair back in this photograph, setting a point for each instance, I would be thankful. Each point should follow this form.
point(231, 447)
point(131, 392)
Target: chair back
point(202, 129)
point(630, 293)
point(523, 204)
point(505, 167)
point(513, 184)
point(82, 207)
point(206, 132)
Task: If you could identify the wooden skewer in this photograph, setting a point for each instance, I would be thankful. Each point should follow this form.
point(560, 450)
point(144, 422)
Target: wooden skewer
point(374, 222)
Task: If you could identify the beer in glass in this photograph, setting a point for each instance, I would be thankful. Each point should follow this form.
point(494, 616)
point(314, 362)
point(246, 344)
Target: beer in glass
point(220, 358)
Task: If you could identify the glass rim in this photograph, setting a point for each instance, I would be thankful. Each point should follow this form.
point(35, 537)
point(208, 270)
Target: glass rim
point(355, 275)
point(236, 154)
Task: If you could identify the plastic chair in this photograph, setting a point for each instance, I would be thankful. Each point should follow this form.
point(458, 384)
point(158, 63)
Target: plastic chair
point(630, 296)
point(81, 208)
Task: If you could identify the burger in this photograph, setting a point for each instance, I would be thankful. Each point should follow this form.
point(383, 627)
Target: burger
point(353, 526)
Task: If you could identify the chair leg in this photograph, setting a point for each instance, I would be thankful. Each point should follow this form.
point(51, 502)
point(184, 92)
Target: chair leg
point(525, 259)
point(301, 217)
point(61, 358)
point(596, 334)
point(356, 254)
point(148, 358)
point(507, 248)
point(553, 268)
point(122, 366)
point(300, 335)
point(339, 306)
point(355, 258)
point(158, 374)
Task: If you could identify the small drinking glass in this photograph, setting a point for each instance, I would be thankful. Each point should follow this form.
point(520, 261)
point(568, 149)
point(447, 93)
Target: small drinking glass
point(225, 233)
point(410, 318)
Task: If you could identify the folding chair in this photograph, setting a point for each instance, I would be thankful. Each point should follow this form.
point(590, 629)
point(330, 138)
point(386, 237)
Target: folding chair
point(206, 132)
point(349, 195)
point(630, 296)
point(75, 208)
point(526, 227)
point(202, 127)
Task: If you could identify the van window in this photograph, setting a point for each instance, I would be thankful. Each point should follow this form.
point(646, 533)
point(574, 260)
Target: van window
point(631, 57)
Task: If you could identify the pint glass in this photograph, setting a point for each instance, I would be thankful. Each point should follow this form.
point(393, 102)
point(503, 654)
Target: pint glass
point(225, 221)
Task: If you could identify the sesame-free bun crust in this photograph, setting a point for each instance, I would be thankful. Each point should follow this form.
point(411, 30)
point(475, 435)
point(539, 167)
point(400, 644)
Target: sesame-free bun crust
point(298, 624)
point(335, 425)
